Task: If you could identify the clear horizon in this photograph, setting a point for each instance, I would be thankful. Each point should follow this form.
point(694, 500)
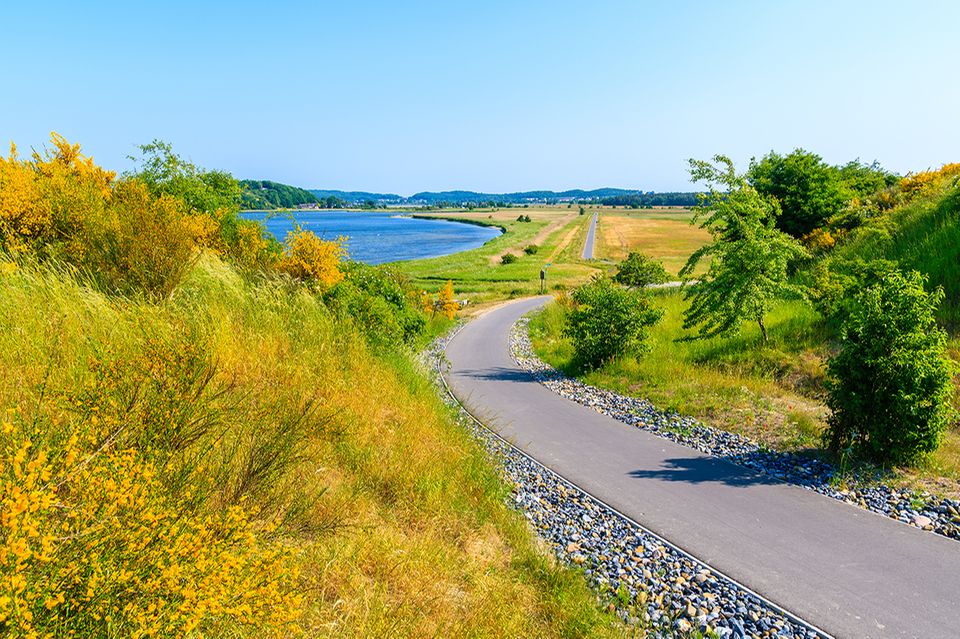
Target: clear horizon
point(494, 98)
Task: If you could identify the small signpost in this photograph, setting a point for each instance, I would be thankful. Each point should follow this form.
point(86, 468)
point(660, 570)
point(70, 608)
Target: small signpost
point(543, 276)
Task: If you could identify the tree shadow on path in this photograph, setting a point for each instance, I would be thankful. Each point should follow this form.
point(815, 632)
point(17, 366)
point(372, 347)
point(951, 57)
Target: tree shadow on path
point(700, 470)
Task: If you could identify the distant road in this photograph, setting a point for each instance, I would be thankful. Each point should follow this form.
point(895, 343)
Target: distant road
point(856, 574)
point(588, 245)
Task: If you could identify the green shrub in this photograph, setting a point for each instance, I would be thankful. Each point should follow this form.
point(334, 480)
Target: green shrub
point(508, 258)
point(531, 249)
point(523, 218)
point(890, 384)
point(608, 320)
point(380, 301)
point(639, 270)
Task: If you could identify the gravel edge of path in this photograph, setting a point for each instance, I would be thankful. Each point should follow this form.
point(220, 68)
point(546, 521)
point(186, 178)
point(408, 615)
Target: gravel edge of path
point(922, 510)
point(651, 582)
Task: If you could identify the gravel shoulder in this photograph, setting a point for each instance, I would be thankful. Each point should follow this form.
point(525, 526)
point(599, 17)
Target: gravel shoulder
point(845, 569)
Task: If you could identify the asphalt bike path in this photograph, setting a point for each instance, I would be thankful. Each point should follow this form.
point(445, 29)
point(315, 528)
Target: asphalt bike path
point(588, 245)
point(849, 571)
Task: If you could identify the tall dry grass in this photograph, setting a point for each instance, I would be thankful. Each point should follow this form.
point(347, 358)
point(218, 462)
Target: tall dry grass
point(235, 461)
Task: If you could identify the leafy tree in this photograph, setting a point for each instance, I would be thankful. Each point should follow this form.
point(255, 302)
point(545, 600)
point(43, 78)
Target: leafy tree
point(380, 301)
point(808, 189)
point(640, 271)
point(890, 384)
point(608, 320)
point(166, 173)
point(862, 180)
point(749, 256)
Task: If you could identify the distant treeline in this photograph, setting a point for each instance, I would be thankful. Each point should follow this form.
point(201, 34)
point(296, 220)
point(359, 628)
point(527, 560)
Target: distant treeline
point(474, 198)
point(264, 194)
point(647, 200)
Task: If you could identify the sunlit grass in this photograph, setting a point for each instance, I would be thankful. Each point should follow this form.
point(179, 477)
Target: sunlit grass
point(666, 236)
point(361, 508)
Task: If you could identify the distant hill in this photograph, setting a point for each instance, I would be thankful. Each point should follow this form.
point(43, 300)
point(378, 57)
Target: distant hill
point(458, 198)
point(264, 194)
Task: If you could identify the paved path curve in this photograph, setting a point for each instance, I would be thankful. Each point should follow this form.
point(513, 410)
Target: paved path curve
point(588, 245)
point(847, 570)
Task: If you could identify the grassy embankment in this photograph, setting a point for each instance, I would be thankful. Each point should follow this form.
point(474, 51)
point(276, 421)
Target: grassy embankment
point(370, 513)
point(200, 436)
point(774, 393)
point(479, 276)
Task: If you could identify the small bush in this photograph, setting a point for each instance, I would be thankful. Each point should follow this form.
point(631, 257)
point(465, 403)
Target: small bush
point(523, 218)
point(891, 382)
point(381, 302)
point(531, 249)
point(639, 270)
point(312, 259)
point(508, 258)
point(608, 320)
point(139, 244)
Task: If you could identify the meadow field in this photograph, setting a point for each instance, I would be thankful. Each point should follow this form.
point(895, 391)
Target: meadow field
point(479, 275)
point(664, 234)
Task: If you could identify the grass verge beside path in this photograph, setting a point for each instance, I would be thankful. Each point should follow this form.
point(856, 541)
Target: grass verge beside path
point(772, 394)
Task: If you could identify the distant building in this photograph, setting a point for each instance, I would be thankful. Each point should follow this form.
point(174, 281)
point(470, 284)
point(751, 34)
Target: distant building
point(309, 206)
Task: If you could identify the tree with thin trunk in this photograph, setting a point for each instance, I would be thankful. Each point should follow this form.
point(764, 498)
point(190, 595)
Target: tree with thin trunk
point(748, 256)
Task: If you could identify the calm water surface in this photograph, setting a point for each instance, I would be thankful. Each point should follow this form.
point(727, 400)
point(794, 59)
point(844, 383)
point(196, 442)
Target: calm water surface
point(375, 237)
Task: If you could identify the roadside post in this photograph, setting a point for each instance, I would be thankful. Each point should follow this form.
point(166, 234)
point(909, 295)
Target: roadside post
point(543, 276)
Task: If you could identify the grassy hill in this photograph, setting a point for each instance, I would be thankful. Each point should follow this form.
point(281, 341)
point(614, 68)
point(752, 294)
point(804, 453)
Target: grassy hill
point(922, 233)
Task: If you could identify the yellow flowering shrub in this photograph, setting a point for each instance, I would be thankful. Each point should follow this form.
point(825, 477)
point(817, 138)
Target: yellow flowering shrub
point(819, 239)
point(140, 243)
point(252, 248)
point(204, 230)
point(446, 302)
point(92, 544)
point(926, 181)
point(20, 216)
point(310, 258)
point(107, 529)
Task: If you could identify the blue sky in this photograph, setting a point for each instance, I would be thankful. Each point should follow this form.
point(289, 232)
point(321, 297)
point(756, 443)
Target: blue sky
point(493, 96)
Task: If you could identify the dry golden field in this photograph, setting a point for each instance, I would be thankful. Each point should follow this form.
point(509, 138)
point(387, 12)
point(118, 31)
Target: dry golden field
point(663, 234)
